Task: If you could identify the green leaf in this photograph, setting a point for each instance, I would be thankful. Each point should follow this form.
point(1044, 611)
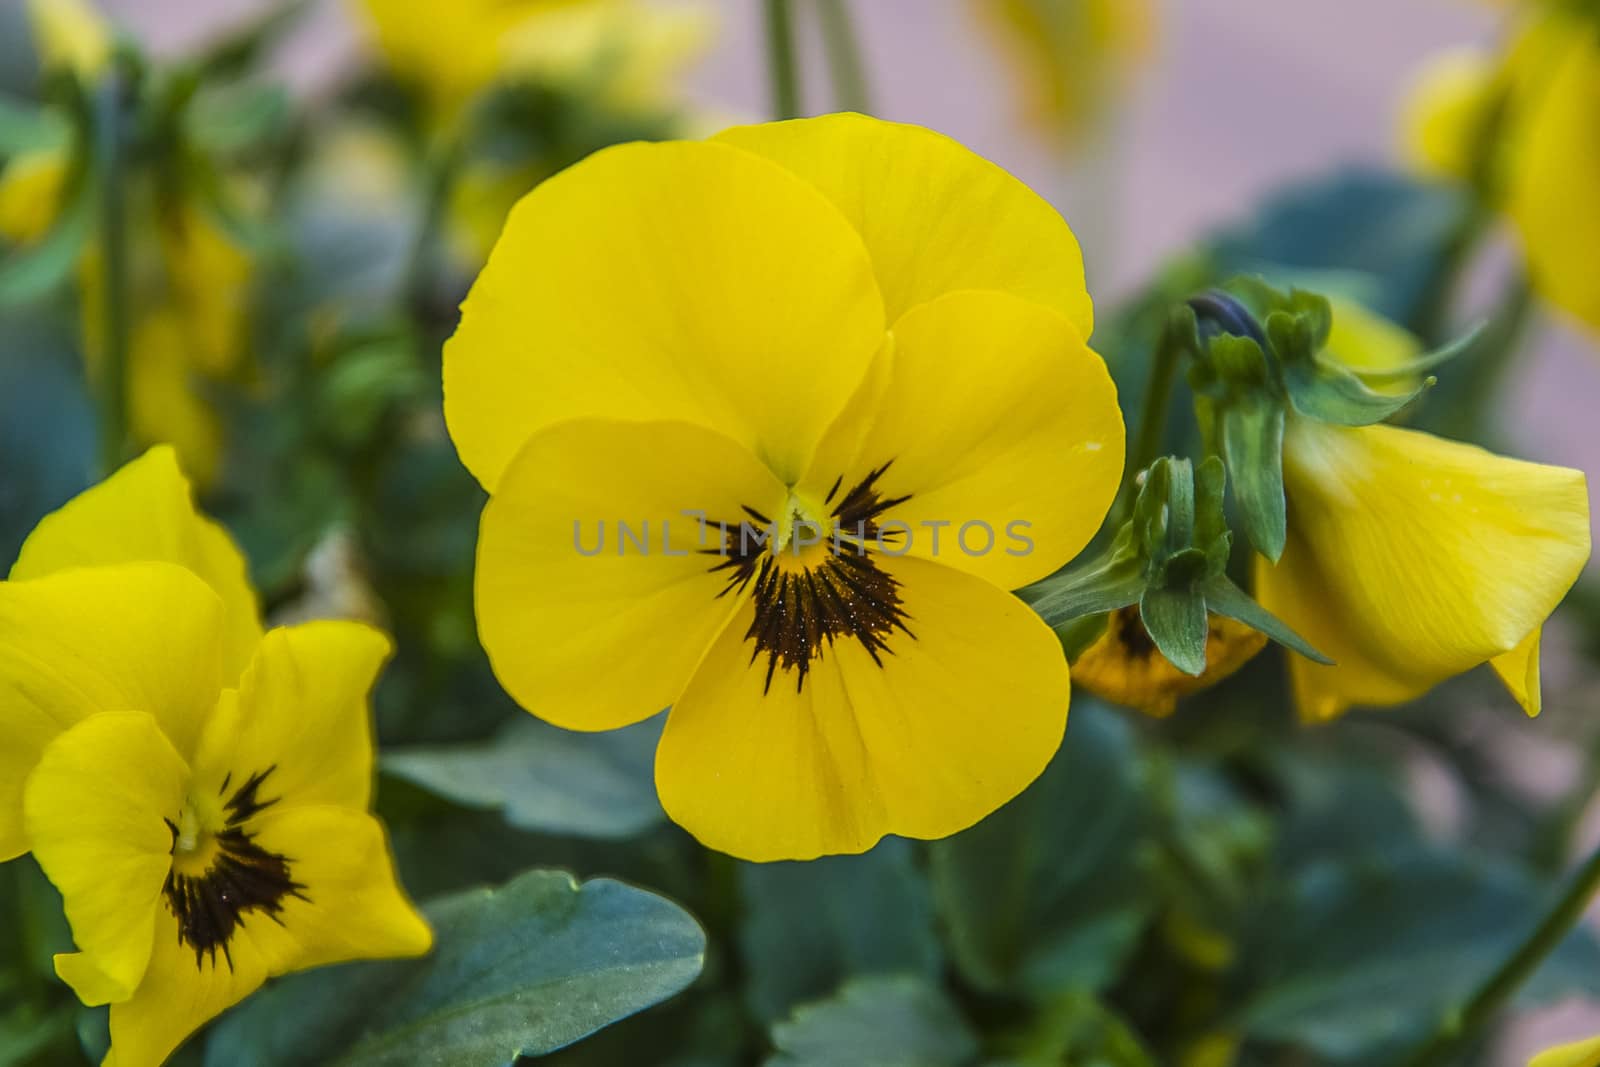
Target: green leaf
point(26, 128)
point(1076, 1029)
point(30, 271)
point(1353, 957)
point(1095, 590)
point(523, 970)
point(809, 926)
point(877, 1022)
point(228, 121)
point(546, 779)
point(1051, 892)
point(1225, 598)
point(1329, 392)
point(1252, 446)
point(27, 1032)
point(1429, 360)
point(1176, 621)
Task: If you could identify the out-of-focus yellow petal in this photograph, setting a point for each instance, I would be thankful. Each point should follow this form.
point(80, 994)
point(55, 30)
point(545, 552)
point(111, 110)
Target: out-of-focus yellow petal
point(1000, 429)
point(1519, 670)
point(70, 33)
point(31, 189)
point(1585, 1053)
point(1446, 111)
point(302, 708)
point(935, 216)
point(96, 809)
point(145, 512)
point(1411, 559)
point(1070, 55)
point(625, 54)
point(683, 280)
point(210, 277)
point(1124, 667)
point(1555, 186)
point(138, 637)
point(592, 626)
point(164, 401)
point(920, 744)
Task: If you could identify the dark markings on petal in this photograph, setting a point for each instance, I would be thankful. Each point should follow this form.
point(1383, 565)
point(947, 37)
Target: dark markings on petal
point(244, 878)
point(801, 612)
point(1132, 635)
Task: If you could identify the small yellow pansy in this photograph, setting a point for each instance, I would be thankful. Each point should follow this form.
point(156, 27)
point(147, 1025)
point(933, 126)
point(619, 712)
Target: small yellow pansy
point(1124, 667)
point(1411, 559)
point(1446, 112)
point(1585, 1053)
point(1072, 55)
point(70, 33)
point(198, 793)
point(31, 190)
point(848, 337)
point(625, 52)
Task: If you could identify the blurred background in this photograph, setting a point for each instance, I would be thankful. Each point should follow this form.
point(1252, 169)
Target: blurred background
point(1221, 108)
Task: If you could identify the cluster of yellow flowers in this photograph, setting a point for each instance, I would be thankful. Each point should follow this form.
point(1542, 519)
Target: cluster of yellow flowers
point(824, 391)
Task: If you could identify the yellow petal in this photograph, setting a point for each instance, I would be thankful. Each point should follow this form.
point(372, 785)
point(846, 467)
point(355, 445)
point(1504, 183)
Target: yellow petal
point(72, 34)
point(1585, 1053)
point(164, 400)
point(352, 909)
point(1124, 667)
point(1555, 188)
point(302, 709)
point(145, 513)
point(1001, 429)
point(1411, 559)
point(1366, 341)
point(683, 281)
point(95, 811)
point(1519, 670)
point(1446, 111)
point(31, 189)
point(593, 634)
point(935, 216)
point(140, 637)
point(955, 722)
point(210, 277)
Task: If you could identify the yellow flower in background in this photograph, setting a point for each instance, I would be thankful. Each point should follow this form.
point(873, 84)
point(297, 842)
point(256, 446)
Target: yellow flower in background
point(1073, 56)
point(70, 33)
point(624, 52)
point(31, 190)
point(198, 793)
point(1411, 559)
point(1584, 1053)
point(827, 327)
point(1538, 99)
point(1124, 666)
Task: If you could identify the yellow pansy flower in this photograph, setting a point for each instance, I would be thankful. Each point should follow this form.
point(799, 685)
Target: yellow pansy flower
point(1072, 54)
point(1124, 666)
point(625, 50)
point(827, 326)
point(31, 188)
point(199, 793)
point(70, 33)
point(1411, 559)
point(1584, 1053)
point(1538, 99)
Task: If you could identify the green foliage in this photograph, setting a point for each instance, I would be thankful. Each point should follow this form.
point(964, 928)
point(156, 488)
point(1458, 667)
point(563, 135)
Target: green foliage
point(809, 926)
point(522, 970)
point(876, 1022)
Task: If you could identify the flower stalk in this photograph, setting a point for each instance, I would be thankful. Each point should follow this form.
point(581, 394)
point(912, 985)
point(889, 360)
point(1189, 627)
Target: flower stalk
point(850, 88)
point(113, 377)
point(1517, 968)
point(782, 65)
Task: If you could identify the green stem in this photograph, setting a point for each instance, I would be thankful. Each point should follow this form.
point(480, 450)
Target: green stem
point(1484, 369)
point(782, 65)
point(1431, 322)
point(1145, 447)
point(439, 178)
point(850, 90)
point(1517, 969)
point(113, 377)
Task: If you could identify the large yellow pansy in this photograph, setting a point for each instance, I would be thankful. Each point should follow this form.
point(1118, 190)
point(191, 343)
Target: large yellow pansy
point(770, 425)
point(1411, 559)
point(1585, 1053)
